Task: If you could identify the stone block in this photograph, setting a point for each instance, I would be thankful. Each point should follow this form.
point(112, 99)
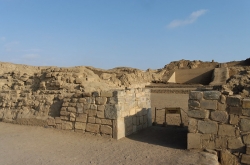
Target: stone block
point(246, 112)
point(106, 93)
point(81, 118)
point(245, 159)
point(98, 121)
point(192, 125)
point(228, 159)
point(51, 122)
point(195, 95)
point(208, 144)
point(79, 109)
point(80, 125)
point(58, 126)
point(95, 94)
point(193, 104)
point(234, 110)
point(246, 139)
point(58, 120)
point(221, 142)
point(244, 125)
point(211, 95)
point(149, 116)
point(72, 104)
point(106, 129)
point(193, 141)
point(101, 100)
point(92, 112)
point(221, 107)
point(248, 149)
point(91, 120)
point(64, 113)
point(234, 101)
point(106, 122)
point(246, 103)
point(233, 119)
point(110, 112)
point(71, 109)
point(220, 116)
point(82, 100)
point(67, 125)
point(207, 127)
point(200, 114)
point(235, 143)
point(100, 114)
point(93, 107)
point(92, 128)
point(209, 104)
point(86, 94)
point(223, 99)
point(101, 107)
point(226, 130)
point(64, 117)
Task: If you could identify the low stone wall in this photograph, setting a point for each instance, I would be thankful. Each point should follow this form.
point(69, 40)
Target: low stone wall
point(114, 114)
point(220, 122)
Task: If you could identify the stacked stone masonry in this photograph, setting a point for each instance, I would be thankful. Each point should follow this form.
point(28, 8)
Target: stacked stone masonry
point(220, 122)
point(95, 112)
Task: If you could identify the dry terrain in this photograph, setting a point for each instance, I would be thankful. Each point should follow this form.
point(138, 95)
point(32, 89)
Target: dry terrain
point(155, 145)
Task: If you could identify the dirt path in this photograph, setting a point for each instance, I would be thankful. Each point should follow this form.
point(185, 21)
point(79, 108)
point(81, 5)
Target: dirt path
point(36, 145)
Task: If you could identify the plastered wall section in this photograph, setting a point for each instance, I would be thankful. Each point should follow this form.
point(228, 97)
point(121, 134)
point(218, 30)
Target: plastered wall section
point(219, 122)
point(114, 113)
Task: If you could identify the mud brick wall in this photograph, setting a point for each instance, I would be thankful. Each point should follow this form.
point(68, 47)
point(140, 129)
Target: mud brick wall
point(113, 113)
point(220, 122)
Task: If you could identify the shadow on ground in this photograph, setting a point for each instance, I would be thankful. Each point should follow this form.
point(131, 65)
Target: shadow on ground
point(171, 136)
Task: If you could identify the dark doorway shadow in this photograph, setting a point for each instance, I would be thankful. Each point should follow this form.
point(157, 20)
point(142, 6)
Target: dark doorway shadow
point(170, 136)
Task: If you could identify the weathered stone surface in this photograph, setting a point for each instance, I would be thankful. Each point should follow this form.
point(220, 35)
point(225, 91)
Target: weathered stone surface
point(209, 104)
point(71, 109)
point(235, 143)
point(106, 129)
point(106, 93)
point(234, 110)
point(220, 116)
point(80, 125)
point(208, 144)
point(245, 159)
point(234, 101)
point(195, 95)
point(201, 114)
point(58, 120)
point(207, 127)
point(106, 122)
point(98, 121)
point(193, 104)
point(93, 107)
point(192, 125)
point(228, 159)
point(100, 114)
point(211, 95)
point(91, 120)
point(67, 125)
point(64, 113)
point(101, 100)
point(221, 142)
point(194, 141)
point(51, 122)
point(226, 130)
point(82, 118)
point(223, 99)
point(246, 139)
point(244, 124)
point(233, 119)
point(92, 112)
point(110, 112)
point(246, 103)
point(248, 149)
point(101, 107)
point(221, 107)
point(82, 100)
point(92, 128)
point(246, 112)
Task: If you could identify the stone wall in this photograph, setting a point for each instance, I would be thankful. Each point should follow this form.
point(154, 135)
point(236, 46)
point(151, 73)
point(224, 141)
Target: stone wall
point(95, 112)
point(220, 122)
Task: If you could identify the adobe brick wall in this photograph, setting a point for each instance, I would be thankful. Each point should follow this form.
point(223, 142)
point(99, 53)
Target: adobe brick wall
point(219, 122)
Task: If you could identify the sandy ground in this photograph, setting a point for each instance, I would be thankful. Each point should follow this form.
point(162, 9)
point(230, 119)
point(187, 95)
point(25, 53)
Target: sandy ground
point(21, 144)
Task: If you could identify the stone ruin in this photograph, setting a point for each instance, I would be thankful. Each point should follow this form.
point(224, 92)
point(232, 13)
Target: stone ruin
point(66, 98)
point(220, 122)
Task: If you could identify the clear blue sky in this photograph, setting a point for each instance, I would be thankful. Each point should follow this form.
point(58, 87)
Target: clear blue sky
point(134, 33)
